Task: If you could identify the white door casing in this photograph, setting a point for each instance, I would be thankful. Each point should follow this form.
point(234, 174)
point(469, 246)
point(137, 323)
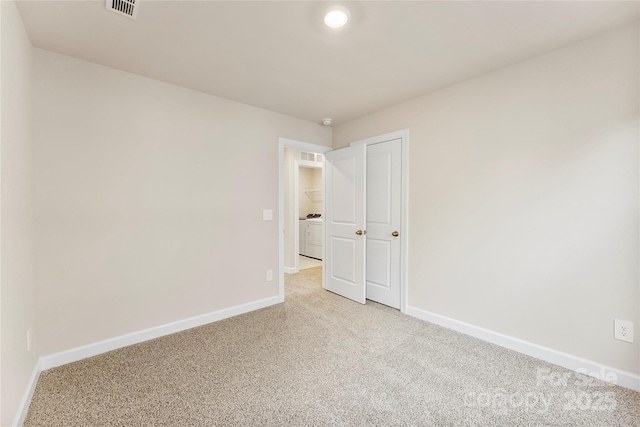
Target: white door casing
point(345, 216)
point(384, 198)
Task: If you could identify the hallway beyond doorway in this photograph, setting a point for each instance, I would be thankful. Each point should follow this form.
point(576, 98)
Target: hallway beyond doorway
point(306, 262)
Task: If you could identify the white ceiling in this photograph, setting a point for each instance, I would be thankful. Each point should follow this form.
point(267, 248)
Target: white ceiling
point(279, 56)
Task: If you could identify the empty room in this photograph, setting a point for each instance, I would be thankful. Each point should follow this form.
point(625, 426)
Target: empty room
point(292, 213)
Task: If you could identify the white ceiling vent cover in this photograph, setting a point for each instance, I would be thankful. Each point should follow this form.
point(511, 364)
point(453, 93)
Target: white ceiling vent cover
point(127, 8)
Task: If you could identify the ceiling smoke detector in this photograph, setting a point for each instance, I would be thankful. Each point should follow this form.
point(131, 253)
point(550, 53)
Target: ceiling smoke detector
point(327, 121)
point(126, 8)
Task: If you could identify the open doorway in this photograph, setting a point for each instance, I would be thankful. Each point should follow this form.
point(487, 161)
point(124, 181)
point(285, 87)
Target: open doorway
point(306, 196)
point(301, 207)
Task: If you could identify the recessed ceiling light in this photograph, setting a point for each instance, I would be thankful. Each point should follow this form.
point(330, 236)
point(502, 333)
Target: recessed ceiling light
point(336, 17)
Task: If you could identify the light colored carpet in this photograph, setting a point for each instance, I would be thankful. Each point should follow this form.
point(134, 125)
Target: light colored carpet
point(322, 360)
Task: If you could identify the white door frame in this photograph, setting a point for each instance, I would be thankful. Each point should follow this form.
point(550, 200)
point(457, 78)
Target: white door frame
point(403, 135)
point(302, 146)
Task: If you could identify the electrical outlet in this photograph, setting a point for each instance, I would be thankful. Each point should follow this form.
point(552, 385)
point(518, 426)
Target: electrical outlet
point(269, 275)
point(623, 330)
point(29, 339)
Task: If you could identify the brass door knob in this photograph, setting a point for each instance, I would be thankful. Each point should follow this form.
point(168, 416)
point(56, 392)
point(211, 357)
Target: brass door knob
point(359, 232)
point(395, 234)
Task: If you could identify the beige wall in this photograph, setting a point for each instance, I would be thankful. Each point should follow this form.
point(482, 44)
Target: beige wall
point(523, 197)
point(316, 184)
point(317, 179)
point(309, 179)
point(149, 201)
point(304, 184)
point(17, 279)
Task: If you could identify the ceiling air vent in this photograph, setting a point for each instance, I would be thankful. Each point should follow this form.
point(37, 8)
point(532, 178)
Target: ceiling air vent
point(124, 7)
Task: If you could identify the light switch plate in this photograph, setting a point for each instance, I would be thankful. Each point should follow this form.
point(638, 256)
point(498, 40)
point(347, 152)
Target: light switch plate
point(267, 214)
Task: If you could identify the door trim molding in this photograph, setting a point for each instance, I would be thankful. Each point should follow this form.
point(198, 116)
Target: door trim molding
point(297, 250)
point(302, 146)
point(403, 135)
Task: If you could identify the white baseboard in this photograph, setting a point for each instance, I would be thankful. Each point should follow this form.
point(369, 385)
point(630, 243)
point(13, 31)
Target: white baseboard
point(23, 408)
point(290, 270)
point(622, 378)
point(79, 353)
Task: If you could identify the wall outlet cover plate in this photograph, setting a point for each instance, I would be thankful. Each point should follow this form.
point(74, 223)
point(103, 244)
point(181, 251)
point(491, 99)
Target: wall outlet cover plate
point(623, 330)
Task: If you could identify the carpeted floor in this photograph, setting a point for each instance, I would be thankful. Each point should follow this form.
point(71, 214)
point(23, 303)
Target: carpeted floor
point(322, 360)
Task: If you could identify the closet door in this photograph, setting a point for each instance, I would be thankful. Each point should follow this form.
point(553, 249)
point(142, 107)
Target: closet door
point(384, 198)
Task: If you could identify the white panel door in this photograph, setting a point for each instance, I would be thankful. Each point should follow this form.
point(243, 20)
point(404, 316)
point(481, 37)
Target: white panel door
point(345, 190)
point(384, 195)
